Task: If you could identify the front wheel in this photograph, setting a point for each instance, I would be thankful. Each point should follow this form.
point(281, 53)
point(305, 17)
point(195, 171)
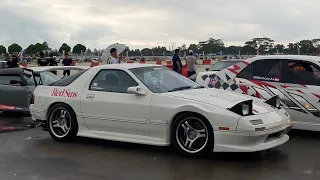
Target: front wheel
point(62, 123)
point(192, 135)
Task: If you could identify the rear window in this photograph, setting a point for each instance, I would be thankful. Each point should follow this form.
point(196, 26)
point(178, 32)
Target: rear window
point(222, 65)
point(68, 80)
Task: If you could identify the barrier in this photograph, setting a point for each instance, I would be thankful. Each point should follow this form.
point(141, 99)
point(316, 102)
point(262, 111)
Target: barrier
point(158, 62)
point(73, 63)
point(23, 64)
point(206, 61)
point(95, 63)
point(169, 63)
point(142, 62)
point(129, 62)
point(184, 70)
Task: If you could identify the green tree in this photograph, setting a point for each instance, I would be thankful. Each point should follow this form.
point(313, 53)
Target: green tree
point(30, 50)
point(2, 49)
point(88, 51)
point(45, 46)
point(78, 48)
point(64, 47)
point(14, 48)
point(38, 47)
point(195, 48)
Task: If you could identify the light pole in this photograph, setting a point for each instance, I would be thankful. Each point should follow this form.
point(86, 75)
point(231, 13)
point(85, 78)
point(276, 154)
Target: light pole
point(164, 40)
point(210, 42)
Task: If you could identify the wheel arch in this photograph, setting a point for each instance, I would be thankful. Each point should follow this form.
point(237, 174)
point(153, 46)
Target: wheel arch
point(176, 117)
point(55, 103)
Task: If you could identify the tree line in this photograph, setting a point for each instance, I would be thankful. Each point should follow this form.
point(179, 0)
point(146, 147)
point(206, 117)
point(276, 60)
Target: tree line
point(263, 45)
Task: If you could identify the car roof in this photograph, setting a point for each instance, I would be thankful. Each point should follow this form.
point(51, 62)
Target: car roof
point(54, 68)
point(11, 71)
point(314, 59)
point(233, 60)
point(124, 66)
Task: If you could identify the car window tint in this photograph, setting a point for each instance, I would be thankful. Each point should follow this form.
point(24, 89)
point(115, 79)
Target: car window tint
point(302, 72)
point(110, 80)
point(246, 73)
point(267, 70)
point(5, 79)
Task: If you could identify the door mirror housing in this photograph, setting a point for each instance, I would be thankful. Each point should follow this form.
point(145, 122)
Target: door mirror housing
point(15, 82)
point(137, 90)
point(207, 69)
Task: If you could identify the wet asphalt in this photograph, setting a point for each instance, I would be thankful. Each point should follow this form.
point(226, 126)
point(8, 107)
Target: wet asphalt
point(32, 155)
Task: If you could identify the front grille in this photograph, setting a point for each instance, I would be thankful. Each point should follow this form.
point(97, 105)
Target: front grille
point(274, 135)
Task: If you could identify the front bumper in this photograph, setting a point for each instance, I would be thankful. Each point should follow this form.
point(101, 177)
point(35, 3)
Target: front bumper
point(249, 141)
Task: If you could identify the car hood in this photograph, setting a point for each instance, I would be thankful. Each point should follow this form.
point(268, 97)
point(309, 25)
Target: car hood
point(221, 98)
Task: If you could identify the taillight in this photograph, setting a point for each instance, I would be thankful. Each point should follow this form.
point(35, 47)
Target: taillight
point(32, 100)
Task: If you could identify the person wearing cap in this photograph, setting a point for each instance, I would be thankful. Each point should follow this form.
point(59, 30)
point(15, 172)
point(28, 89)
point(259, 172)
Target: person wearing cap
point(176, 62)
point(112, 59)
point(191, 62)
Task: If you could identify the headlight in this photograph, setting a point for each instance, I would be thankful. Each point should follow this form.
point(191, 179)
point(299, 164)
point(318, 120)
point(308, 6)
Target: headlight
point(243, 108)
point(274, 101)
point(278, 102)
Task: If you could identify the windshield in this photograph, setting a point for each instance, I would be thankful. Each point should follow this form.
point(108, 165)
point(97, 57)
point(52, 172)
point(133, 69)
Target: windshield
point(161, 79)
point(28, 77)
point(222, 65)
point(46, 78)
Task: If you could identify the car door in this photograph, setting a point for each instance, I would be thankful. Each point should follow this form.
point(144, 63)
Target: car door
point(14, 96)
point(263, 78)
point(303, 91)
point(107, 106)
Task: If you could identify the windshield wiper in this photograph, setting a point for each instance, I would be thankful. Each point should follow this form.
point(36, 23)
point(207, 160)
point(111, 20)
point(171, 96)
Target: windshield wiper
point(199, 87)
point(180, 88)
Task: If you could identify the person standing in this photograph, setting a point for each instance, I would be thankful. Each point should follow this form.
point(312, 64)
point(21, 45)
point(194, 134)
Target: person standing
point(66, 62)
point(176, 62)
point(42, 61)
point(13, 61)
point(112, 59)
point(53, 62)
point(191, 62)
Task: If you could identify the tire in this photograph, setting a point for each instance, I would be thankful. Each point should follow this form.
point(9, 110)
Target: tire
point(62, 123)
point(191, 128)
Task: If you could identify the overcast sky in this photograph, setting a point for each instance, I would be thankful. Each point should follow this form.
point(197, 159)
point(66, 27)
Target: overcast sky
point(98, 23)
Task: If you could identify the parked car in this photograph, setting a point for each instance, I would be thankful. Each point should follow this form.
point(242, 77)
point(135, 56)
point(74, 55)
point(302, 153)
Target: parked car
point(17, 85)
point(152, 104)
point(220, 65)
point(295, 79)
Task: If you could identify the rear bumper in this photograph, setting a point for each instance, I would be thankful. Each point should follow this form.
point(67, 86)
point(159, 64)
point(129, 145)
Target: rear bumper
point(250, 141)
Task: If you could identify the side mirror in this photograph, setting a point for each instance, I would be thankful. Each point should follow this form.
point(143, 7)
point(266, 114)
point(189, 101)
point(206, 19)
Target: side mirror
point(15, 82)
point(207, 69)
point(137, 90)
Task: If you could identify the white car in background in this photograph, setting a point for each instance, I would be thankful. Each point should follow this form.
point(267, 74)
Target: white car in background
point(295, 79)
point(151, 104)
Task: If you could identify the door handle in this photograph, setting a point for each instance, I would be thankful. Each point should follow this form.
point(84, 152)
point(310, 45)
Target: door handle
point(90, 96)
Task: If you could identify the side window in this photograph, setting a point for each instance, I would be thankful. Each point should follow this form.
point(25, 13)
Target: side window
point(302, 72)
point(117, 81)
point(5, 79)
point(268, 70)
point(246, 73)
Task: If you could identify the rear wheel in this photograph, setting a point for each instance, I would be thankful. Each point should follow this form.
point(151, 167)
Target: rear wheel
point(62, 123)
point(192, 135)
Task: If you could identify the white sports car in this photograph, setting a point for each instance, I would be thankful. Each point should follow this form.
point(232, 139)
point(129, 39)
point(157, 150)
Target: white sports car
point(151, 104)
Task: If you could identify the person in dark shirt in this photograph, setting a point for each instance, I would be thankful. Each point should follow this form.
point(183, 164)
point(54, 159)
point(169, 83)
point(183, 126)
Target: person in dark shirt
point(42, 61)
point(66, 62)
point(13, 62)
point(176, 62)
point(53, 62)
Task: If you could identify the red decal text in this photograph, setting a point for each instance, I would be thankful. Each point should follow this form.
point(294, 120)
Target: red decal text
point(64, 93)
